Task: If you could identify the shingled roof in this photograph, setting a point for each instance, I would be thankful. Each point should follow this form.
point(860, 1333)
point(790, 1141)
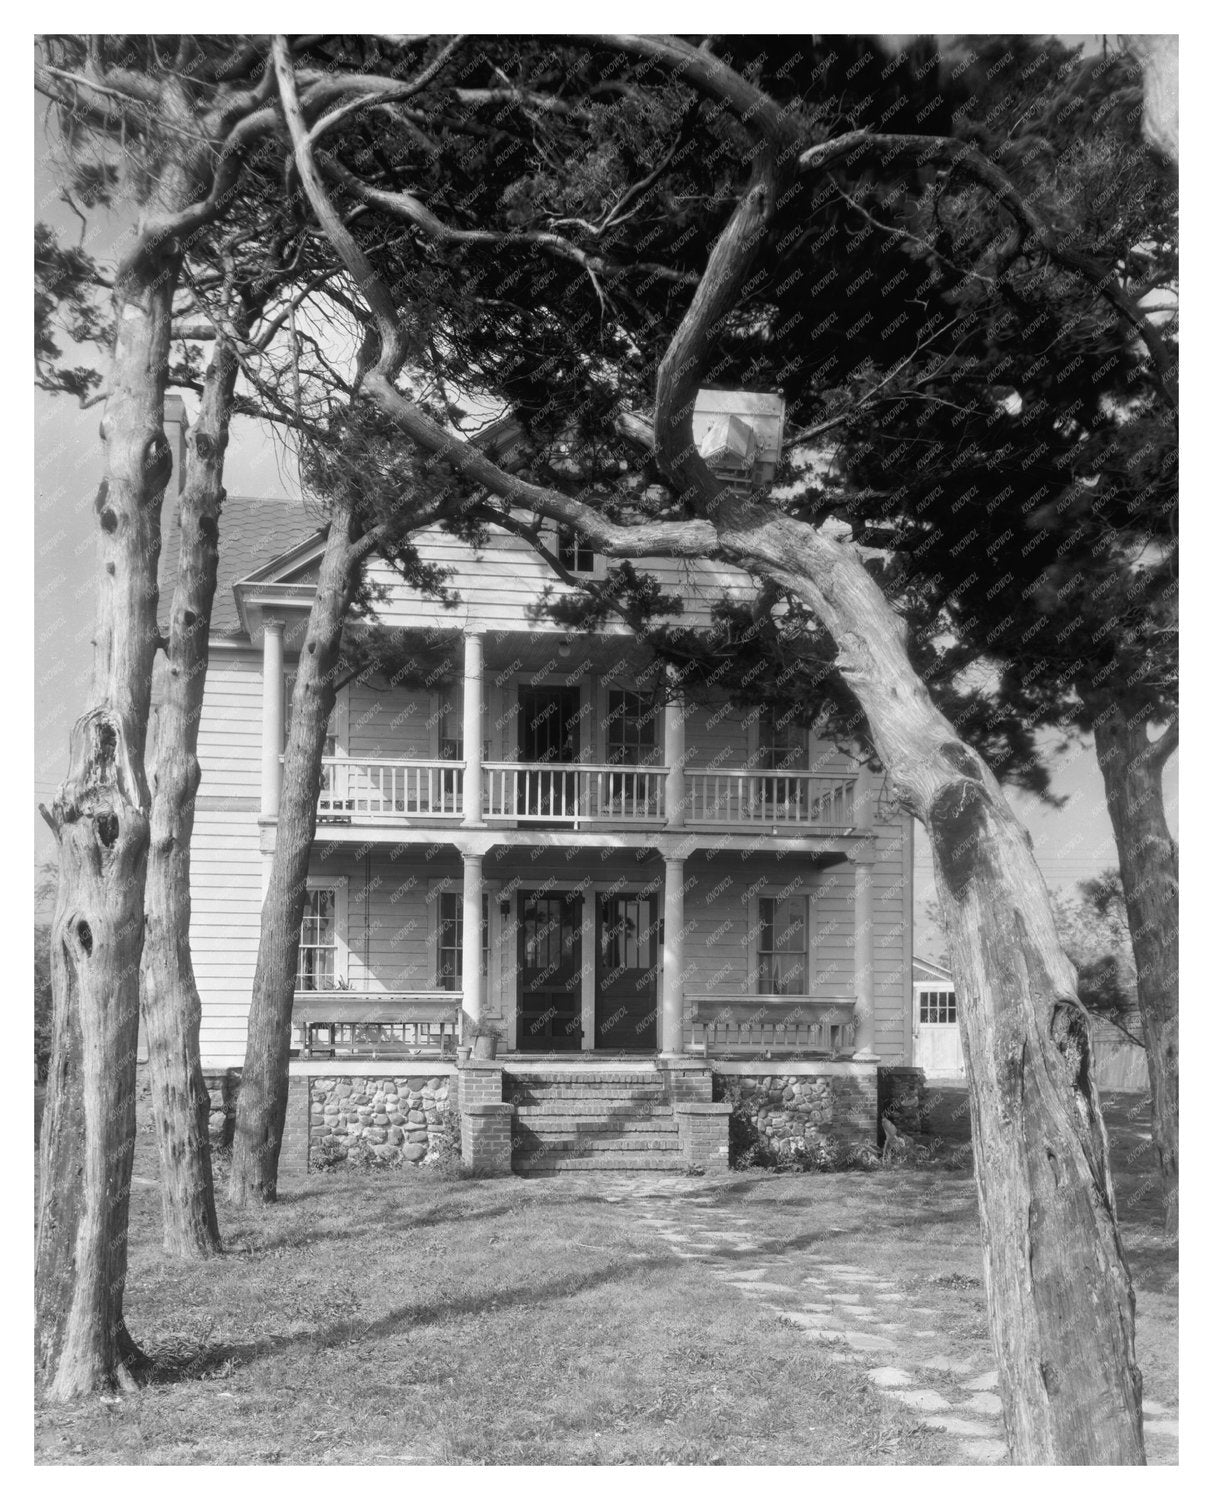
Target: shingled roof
point(253, 531)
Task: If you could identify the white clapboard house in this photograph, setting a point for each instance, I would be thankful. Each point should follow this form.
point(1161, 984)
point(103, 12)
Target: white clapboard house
point(534, 841)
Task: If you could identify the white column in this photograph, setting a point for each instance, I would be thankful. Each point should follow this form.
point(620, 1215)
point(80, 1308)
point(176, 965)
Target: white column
point(589, 968)
point(271, 717)
point(473, 729)
point(675, 758)
point(473, 887)
point(865, 971)
point(865, 935)
point(671, 960)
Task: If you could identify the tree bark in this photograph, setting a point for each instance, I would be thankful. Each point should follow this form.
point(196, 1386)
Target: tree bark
point(100, 814)
point(1061, 1300)
point(261, 1103)
point(1149, 870)
point(171, 1006)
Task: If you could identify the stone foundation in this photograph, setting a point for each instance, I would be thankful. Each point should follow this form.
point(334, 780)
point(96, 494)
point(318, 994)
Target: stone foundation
point(902, 1096)
point(807, 1102)
point(400, 1118)
point(223, 1088)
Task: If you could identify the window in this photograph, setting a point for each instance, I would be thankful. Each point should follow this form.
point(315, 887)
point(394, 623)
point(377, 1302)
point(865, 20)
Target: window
point(783, 749)
point(574, 553)
point(783, 945)
point(631, 740)
point(937, 1007)
point(782, 744)
point(450, 939)
point(318, 941)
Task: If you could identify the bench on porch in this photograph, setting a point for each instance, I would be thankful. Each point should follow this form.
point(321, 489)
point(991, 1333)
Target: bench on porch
point(760, 1024)
point(334, 1023)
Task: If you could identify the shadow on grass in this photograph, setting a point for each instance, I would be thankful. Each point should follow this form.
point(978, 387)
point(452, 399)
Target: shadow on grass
point(168, 1367)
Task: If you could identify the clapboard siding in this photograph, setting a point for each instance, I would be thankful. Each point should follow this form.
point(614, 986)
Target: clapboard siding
point(229, 731)
point(225, 889)
point(506, 576)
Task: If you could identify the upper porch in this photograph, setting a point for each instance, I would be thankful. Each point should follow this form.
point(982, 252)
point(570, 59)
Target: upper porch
point(553, 737)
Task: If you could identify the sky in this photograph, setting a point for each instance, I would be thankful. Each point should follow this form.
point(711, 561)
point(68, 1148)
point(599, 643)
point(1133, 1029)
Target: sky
point(1070, 844)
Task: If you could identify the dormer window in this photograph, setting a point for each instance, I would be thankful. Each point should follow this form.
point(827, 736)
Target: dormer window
point(574, 552)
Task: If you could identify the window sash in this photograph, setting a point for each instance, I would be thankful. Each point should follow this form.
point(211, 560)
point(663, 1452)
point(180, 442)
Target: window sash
point(317, 968)
point(783, 945)
point(574, 552)
point(450, 939)
point(631, 727)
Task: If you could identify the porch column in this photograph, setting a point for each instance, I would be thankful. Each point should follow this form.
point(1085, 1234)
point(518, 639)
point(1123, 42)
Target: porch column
point(865, 935)
point(865, 971)
point(271, 717)
point(675, 759)
point(671, 959)
point(473, 730)
point(473, 887)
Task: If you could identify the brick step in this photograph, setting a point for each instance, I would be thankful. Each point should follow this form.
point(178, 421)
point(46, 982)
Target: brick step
point(596, 1109)
point(603, 1093)
point(616, 1161)
point(592, 1145)
point(548, 1125)
point(584, 1075)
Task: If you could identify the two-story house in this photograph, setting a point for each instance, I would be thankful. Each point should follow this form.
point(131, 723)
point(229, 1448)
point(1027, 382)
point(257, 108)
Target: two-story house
point(642, 894)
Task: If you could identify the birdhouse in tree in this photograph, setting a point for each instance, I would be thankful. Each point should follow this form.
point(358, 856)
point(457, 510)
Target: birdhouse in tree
point(739, 435)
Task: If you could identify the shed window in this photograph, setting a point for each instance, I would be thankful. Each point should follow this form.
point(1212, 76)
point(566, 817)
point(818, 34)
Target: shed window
point(937, 1007)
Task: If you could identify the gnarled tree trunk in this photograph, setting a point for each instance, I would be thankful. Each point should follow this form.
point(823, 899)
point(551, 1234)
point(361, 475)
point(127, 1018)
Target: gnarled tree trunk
point(261, 1103)
point(100, 815)
point(1061, 1300)
point(172, 1009)
point(1149, 870)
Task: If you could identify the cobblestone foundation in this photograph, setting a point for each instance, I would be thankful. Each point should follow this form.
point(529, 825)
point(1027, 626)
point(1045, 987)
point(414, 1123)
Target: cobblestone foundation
point(783, 1108)
point(399, 1119)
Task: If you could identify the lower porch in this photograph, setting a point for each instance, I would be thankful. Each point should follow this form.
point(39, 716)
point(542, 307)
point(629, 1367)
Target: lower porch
point(630, 955)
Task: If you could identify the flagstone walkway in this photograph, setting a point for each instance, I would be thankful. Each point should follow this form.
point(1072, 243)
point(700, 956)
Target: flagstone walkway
point(852, 1311)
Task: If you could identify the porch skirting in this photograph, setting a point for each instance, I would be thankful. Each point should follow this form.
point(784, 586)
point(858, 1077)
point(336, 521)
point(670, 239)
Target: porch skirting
point(721, 1112)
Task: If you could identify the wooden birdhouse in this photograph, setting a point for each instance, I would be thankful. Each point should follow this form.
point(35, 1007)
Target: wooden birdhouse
point(739, 435)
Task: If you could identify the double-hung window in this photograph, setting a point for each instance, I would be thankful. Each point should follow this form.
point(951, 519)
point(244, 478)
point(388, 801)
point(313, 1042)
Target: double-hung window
point(318, 967)
point(783, 945)
point(574, 553)
point(450, 939)
point(631, 740)
point(782, 752)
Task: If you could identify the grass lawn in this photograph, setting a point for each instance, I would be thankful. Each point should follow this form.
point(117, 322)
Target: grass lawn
point(401, 1318)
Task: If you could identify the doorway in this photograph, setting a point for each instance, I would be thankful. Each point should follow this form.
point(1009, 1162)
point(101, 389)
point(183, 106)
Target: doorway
point(549, 970)
point(548, 736)
point(625, 989)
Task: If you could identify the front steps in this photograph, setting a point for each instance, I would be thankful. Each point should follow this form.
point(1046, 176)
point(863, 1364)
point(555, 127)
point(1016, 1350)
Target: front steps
point(593, 1119)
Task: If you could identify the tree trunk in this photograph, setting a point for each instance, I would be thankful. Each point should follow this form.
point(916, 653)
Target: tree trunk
point(1149, 870)
point(1061, 1300)
point(261, 1103)
point(172, 1009)
point(100, 815)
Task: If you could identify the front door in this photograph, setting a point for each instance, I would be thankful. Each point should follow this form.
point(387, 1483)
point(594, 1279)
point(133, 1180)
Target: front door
point(549, 966)
point(625, 1007)
point(548, 725)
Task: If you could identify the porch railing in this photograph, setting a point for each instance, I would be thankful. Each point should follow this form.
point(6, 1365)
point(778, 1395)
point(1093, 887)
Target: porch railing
point(370, 791)
point(574, 794)
point(341, 1023)
point(784, 1024)
point(791, 798)
point(577, 794)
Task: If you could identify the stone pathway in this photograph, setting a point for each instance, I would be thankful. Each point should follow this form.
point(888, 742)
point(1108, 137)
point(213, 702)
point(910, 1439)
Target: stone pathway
point(852, 1312)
